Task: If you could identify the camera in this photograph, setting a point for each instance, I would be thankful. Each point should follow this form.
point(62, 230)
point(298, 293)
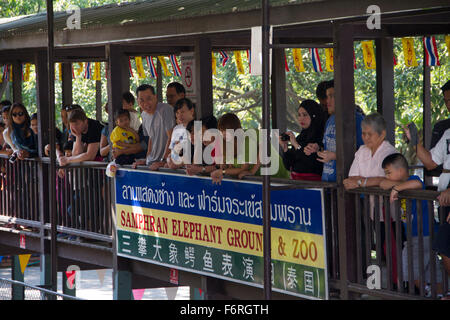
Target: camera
point(285, 137)
point(13, 158)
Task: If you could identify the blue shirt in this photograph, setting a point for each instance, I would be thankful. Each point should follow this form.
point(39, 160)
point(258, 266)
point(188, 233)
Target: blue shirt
point(426, 231)
point(329, 143)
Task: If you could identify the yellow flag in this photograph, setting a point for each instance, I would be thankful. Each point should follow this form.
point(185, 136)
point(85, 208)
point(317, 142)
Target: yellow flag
point(58, 73)
point(298, 60)
point(447, 42)
point(329, 55)
point(213, 63)
point(164, 66)
point(97, 71)
point(368, 54)
point(409, 53)
point(80, 68)
point(23, 260)
point(238, 59)
point(26, 73)
point(139, 67)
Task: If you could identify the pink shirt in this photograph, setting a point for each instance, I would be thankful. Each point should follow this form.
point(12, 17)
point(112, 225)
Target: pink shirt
point(366, 165)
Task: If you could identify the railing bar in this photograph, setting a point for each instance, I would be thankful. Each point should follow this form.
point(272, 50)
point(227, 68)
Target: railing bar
point(334, 234)
point(368, 230)
point(399, 245)
point(88, 199)
point(377, 229)
point(359, 258)
point(432, 255)
point(419, 222)
point(387, 241)
point(409, 247)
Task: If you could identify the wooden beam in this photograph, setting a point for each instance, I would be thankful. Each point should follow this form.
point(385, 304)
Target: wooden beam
point(67, 96)
point(17, 81)
point(118, 80)
point(203, 77)
point(278, 90)
point(385, 84)
point(345, 150)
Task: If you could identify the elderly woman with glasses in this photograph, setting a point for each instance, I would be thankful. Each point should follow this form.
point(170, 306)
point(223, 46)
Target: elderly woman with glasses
point(21, 134)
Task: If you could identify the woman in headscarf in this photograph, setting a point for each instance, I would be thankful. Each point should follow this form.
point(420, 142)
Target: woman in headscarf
point(21, 134)
point(302, 166)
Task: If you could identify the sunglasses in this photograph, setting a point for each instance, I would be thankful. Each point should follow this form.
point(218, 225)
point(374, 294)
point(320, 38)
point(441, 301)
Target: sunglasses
point(18, 114)
point(71, 107)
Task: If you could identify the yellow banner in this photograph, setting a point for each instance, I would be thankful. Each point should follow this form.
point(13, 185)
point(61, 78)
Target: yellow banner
point(239, 64)
point(166, 71)
point(447, 42)
point(58, 73)
point(140, 67)
point(213, 63)
point(80, 68)
point(329, 55)
point(26, 72)
point(97, 71)
point(23, 260)
point(409, 52)
point(298, 60)
point(290, 246)
point(368, 54)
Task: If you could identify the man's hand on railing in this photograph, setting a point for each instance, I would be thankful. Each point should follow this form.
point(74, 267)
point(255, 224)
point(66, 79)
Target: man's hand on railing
point(23, 154)
point(61, 173)
point(444, 198)
point(138, 163)
point(63, 161)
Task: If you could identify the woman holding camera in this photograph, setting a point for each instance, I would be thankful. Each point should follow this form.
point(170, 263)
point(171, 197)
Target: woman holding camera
point(21, 134)
point(302, 166)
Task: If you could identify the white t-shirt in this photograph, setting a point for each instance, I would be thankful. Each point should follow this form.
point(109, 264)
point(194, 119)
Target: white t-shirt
point(155, 126)
point(135, 121)
point(441, 155)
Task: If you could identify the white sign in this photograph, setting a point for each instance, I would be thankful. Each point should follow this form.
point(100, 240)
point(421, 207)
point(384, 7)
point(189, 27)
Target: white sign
point(256, 51)
point(188, 74)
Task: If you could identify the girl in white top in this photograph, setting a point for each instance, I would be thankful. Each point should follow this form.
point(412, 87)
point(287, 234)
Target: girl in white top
point(184, 113)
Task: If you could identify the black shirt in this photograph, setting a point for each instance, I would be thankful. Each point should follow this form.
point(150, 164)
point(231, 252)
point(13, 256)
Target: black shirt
point(94, 133)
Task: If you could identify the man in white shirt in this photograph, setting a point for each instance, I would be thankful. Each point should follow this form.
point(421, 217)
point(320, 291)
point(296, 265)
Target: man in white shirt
point(157, 122)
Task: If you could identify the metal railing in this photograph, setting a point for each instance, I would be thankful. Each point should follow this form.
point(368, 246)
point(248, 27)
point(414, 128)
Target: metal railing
point(82, 193)
point(384, 238)
point(17, 290)
point(84, 209)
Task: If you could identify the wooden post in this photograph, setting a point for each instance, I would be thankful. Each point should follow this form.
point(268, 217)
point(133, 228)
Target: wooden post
point(42, 101)
point(385, 84)
point(345, 150)
point(118, 80)
point(278, 91)
point(66, 84)
point(203, 78)
point(17, 81)
point(98, 100)
point(159, 81)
